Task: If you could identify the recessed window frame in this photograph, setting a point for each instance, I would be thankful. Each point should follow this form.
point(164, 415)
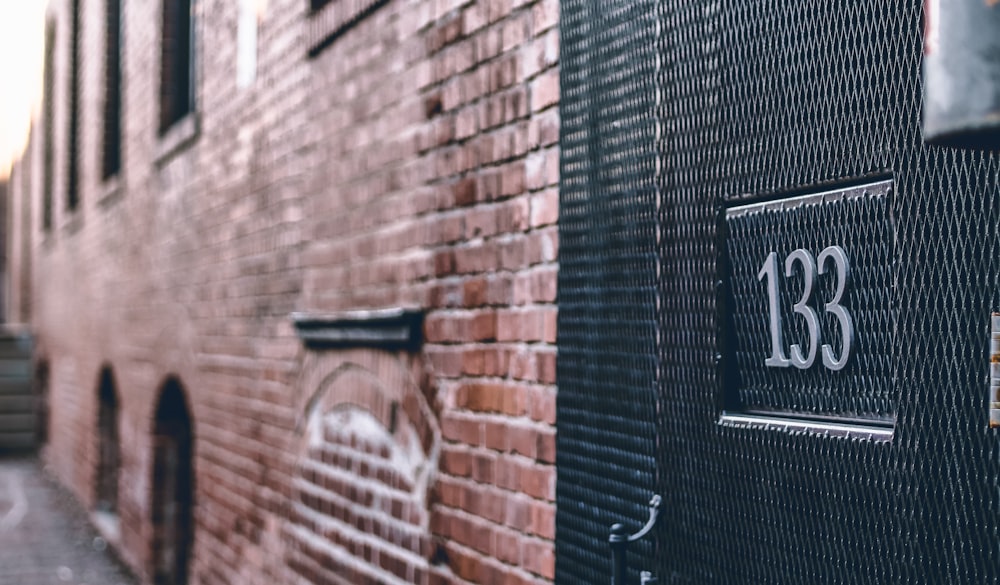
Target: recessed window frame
point(330, 19)
point(48, 124)
point(111, 155)
point(177, 86)
point(73, 146)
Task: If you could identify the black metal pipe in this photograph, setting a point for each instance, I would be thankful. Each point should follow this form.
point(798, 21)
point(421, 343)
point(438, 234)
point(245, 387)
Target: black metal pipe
point(619, 554)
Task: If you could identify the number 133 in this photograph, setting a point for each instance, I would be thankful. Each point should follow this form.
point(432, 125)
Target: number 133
point(797, 356)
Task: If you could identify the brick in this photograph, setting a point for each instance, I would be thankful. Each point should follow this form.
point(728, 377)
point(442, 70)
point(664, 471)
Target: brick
point(482, 221)
point(538, 481)
point(483, 468)
point(534, 168)
point(543, 520)
point(539, 558)
point(496, 436)
point(444, 262)
point(523, 441)
point(474, 292)
point(483, 326)
point(515, 31)
point(545, 15)
point(512, 180)
point(546, 446)
point(508, 547)
point(482, 397)
point(545, 361)
point(461, 430)
point(456, 462)
point(465, 565)
point(475, 17)
point(508, 477)
point(445, 294)
point(545, 90)
point(476, 257)
point(536, 286)
point(465, 192)
point(542, 406)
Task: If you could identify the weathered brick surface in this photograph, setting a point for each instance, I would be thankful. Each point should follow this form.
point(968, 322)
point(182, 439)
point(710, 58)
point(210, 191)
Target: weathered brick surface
point(412, 162)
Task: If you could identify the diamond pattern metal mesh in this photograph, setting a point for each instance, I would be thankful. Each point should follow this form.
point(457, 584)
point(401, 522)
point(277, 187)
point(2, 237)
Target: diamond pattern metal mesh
point(606, 455)
point(753, 100)
point(760, 98)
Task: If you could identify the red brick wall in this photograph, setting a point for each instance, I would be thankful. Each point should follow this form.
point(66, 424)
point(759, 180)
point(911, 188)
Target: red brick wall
point(412, 162)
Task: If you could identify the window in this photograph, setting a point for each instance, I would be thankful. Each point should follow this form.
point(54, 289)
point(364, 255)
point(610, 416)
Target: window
point(108, 452)
point(48, 130)
point(176, 63)
point(42, 402)
point(73, 176)
point(111, 160)
point(329, 19)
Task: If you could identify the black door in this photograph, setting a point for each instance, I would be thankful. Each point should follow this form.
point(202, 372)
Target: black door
point(824, 287)
point(172, 506)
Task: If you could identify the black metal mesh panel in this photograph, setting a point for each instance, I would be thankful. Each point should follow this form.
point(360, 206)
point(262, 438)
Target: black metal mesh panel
point(607, 282)
point(762, 98)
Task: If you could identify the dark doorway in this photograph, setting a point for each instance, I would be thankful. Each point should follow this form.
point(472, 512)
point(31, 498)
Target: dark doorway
point(42, 403)
point(173, 487)
point(108, 449)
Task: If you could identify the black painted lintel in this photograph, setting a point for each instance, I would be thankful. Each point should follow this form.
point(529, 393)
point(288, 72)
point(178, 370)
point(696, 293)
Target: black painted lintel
point(391, 329)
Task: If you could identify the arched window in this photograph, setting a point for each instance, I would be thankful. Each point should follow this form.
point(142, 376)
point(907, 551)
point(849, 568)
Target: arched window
point(108, 449)
point(173, 487)
point(42, 403)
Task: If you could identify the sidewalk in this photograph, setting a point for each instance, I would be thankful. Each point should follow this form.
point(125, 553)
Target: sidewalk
point(44, 535)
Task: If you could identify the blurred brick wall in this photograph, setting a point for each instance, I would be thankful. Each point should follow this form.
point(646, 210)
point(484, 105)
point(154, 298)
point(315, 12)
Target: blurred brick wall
point(412, 162)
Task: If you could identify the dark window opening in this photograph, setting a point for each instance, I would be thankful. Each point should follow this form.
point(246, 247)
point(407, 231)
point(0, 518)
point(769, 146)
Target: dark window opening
point(108, 449)
point(331, 23)
point(48, 129)
point(73, 177)
point(112, 155)
point(173, 487)
point(42, 403)
point(176, 63)
point(315, 5)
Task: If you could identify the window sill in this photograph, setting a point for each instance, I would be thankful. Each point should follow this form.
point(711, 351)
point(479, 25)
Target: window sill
point(334, 19)
point(111, 190)
point(178, 137)
point(74, 222)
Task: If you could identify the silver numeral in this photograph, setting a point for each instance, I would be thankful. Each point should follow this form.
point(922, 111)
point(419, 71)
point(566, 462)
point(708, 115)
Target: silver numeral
point(810, 267)
point(802, 308)
point(778, 358)
point(843, 266)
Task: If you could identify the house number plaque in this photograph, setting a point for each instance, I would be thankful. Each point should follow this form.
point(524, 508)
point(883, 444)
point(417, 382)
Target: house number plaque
point(806, 306)
point(809, 268)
